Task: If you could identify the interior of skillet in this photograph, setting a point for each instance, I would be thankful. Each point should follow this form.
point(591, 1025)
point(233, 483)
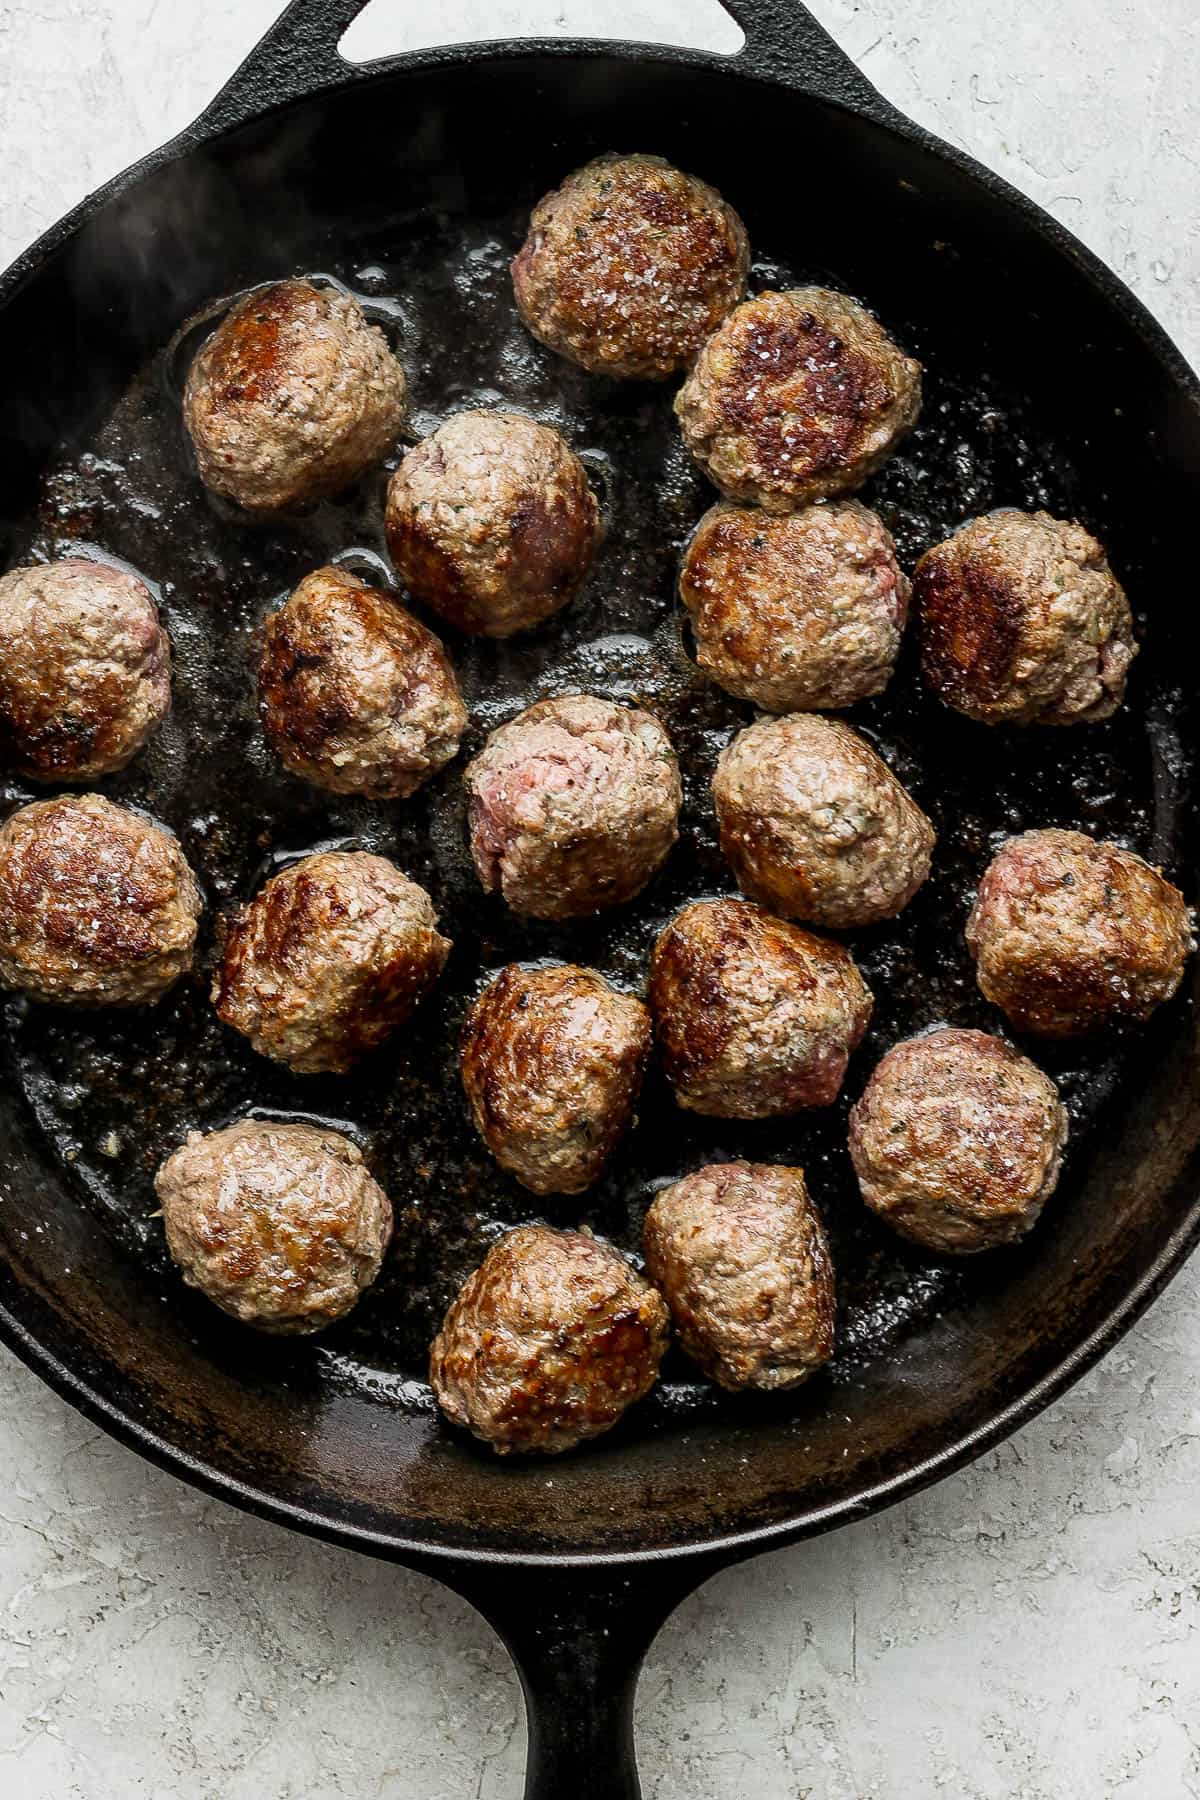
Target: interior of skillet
point(414, 191)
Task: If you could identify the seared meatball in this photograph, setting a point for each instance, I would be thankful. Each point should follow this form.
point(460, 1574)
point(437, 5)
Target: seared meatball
point(354, 694)
point(795, 612)
point(292, 398)
point(816, 826)
point(629, 266)
point(97, 905)
point(491, 522)
point(552, 1062)
point(741, 1255)
point(548, 1342)
point(1022, 622)
point(797, 397)
point(325, 963)
point(958, 1141)
point(1068, 933)
point(85, 669)
point(574, 806)
point(280, 1225)
point(753, 1017)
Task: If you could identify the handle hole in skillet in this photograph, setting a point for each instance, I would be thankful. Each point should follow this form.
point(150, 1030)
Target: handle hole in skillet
point(385, 29)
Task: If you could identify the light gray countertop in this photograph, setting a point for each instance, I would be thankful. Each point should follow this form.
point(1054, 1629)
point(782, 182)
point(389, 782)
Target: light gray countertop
point(1026, 1631)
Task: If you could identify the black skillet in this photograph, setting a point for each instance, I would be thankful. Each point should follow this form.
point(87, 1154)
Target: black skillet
point(1048, 384)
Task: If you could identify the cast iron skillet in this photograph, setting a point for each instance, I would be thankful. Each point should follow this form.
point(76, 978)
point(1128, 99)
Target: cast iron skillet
point(1048, 384)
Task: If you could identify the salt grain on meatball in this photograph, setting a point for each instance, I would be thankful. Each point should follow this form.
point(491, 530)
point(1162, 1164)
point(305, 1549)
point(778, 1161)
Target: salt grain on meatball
point(292, 398)
point(491, 522)
point(1069, 933)
point(799, 612)
point(279, 1224)
point(356, 695)
point(629, 265)
point(958, 1141)
point(328, 960)
point(98, 906)
point(574, 806)
point(815, 825)
point(753, 1017)
point(741, 1255)
point(552, 1062)
point(797, 397)
point(85, 669)
point(1022, 622)
point(548, 1343)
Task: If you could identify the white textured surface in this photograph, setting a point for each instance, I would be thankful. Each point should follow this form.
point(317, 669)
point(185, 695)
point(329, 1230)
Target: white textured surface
point(1028, 1631)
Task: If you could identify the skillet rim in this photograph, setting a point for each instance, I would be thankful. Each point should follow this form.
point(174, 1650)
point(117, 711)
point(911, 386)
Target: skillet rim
point(865, 106)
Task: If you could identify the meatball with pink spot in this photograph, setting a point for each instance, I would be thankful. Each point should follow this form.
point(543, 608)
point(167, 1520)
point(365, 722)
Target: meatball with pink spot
point(574, 806)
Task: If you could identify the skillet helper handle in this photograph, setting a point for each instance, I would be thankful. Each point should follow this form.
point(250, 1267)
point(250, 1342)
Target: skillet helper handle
point(299, 57)
point(578, 1638)
point(785, 42)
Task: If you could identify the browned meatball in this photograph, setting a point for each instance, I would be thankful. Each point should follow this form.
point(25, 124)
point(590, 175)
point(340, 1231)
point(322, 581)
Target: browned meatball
point(574, 806)
point(355, 695)
point(292, 398)
point(815, 825)
point(325, 963)
point(798, 612)
point(741, 1255)
point(280, 1225)
point(958, 1141)
point(1022, 622)
point(552, 1062)
point(629, 266)
point(97, 905)
point(491, 522)
point(1068, 934)
point(798, 396)
point(85, 669)
point(548, 1342)
point(753, 1017)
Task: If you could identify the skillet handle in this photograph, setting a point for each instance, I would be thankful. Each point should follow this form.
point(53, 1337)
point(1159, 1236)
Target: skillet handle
point(578, 1637)
point(299, 57)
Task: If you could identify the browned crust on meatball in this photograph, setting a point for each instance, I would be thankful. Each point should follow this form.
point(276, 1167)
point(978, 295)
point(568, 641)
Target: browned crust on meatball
point(740, 1252)
point(492, 523)
point(799, 611)
point(292, 398)
point(816, 826)
point(328, 960)
point(548, 1343)
point(277, 1223)
point(958, 1141)
point(1069, 932)
point(98, 906)
point(1023, 622)
point(355, 695)
point(552, 1063)
point(798, 396)
point(85, 669)
point(629, 265)
point(753, 1017)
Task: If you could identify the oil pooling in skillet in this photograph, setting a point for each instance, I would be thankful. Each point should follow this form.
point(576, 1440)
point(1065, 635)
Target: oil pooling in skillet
point(115, 1094)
